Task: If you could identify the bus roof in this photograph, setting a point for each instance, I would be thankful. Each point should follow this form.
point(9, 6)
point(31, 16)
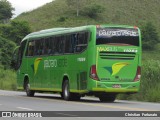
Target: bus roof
point(52, 31)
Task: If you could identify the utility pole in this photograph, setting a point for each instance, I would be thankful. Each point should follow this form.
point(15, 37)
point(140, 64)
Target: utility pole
point(77, 8)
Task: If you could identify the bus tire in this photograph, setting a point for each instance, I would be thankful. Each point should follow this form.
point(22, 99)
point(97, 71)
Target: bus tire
point(67, 95)
point(65, 91)
point(29, 92)
point(107, 98)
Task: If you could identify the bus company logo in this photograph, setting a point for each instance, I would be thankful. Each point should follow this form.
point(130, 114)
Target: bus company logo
point(36, 64)
point(116, 68)
point(100, 49)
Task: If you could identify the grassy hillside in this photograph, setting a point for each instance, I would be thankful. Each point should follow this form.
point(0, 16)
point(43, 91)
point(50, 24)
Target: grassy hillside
point(59, 14)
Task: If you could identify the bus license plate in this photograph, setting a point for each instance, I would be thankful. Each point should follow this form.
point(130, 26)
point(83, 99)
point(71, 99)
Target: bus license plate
point(116, 86)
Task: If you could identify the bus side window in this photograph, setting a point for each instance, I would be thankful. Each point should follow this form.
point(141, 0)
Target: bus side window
point(46, 46)
point(73, 42)
point(68, 45)
point(61, 44)
point(30, 48)
point(56, 43)
point(41, 47)
point(37, 45)
point(52, 44)
point(82, 41)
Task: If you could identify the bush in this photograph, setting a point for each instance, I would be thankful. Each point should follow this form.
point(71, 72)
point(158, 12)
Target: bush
point(6, 50)
point(149, 36)
point(7, 80)
point(92, 10)
point(15, 31)
point(150, 83)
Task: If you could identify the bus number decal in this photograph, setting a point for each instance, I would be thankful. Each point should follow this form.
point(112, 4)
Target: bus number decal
point(131, 50)
point(81, 59)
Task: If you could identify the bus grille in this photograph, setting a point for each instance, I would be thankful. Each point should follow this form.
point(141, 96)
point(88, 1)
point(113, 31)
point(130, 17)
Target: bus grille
point(117, 55)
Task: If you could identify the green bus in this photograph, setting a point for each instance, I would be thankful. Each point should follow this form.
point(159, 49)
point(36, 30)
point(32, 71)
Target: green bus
point(99, 60)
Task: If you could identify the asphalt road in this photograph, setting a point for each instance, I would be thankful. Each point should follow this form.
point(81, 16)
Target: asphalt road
point(18, 101)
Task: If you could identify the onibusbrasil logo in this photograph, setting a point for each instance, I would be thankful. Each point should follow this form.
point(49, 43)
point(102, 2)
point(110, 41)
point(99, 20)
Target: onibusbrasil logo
point(115, 68)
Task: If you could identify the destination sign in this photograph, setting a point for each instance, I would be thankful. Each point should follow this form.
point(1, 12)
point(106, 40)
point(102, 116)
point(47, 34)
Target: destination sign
point(110, 32)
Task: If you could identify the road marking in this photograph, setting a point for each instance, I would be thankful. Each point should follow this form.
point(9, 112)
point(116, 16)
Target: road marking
point(116, 107)
point(24, 108)
point(6, 95)
point(91, 104)
point(0, 104)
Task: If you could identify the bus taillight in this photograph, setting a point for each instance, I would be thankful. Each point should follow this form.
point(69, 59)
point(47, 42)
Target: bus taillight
point(138, 74)
point(93, 72)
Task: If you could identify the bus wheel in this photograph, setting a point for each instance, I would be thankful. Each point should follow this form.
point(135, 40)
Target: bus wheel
point(67, 95)
point(29, 92)
point(65, 91)
point(107, 98)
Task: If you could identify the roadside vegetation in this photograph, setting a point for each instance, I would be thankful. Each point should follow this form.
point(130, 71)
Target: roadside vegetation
point(7, 79)
point(67, 13)
point(150, 80)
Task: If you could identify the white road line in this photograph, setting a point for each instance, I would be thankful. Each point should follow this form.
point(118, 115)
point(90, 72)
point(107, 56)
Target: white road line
point(0, 104)
point(24, 108)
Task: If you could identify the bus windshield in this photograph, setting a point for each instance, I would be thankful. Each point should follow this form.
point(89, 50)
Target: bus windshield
point(120, 36)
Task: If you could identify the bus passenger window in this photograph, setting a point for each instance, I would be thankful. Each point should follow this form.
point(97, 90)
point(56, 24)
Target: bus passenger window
point(41, 47)
point(68, 44)
point(82, 40)
point(52, 45)
point(56, 49)
point(46, 46)
point(37, 44)
point(73, 42)
point(61, 45)
point(31, 46)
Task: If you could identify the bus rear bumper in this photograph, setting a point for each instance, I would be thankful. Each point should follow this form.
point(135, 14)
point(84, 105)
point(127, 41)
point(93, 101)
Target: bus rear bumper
point(117, 87)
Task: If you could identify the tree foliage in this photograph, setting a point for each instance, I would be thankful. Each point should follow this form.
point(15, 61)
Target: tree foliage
point(6, 50)
point(92, 10)
point(5, 10)
point(15, 31)
point(150, 36)
point(85, 7)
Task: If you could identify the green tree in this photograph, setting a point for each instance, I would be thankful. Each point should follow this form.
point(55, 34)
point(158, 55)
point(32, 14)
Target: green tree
point(75, 5)
point(18, 30)
point(5, 10)
point(6, 50)
point(150, 37)
point(15, 31)
point(92, 10)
